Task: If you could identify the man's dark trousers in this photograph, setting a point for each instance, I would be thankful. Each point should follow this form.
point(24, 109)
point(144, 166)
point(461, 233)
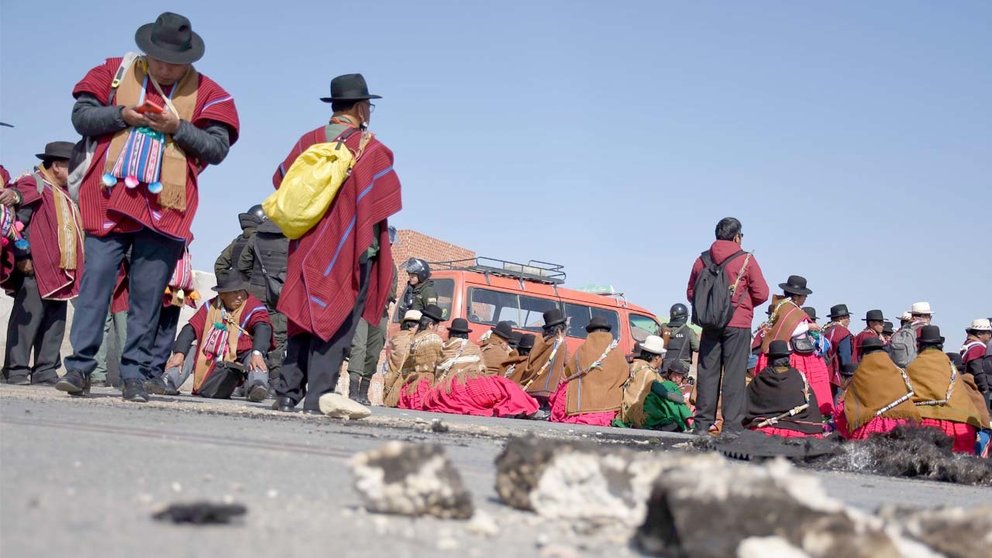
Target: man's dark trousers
point(312, 365)
point(163, 340)
point(36, 328)
point(722, 363)
point(153, 259)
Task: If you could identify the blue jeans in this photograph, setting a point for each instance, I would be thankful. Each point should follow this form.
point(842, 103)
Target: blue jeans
point(152, 261)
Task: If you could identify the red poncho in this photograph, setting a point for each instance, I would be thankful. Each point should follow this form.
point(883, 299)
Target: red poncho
point(322, 278)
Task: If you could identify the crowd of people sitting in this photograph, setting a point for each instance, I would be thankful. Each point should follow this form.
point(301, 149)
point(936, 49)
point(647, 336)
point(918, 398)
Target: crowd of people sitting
point(113, 233)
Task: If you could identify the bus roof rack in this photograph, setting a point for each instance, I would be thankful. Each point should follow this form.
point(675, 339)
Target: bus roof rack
point(534, 270)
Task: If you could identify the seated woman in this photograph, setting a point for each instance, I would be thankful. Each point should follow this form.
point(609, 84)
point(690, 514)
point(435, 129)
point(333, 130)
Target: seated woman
point(644, 371)
point(941, 396)
point(879, 396)
point(545, 366)
point(519, 358)
point(234, 333)
point(397, 349)
point(464, 385)
point(592, 390)
point(788, 322)
point(779, 400)
point(425, 354)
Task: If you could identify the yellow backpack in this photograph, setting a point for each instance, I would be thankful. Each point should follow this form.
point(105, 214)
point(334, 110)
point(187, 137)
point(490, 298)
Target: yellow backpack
point(311, 184)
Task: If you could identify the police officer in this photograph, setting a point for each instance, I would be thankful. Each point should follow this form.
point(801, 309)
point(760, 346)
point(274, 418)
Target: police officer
point(683, 340)
point(262, 262)
point(419, 293)
point(228, 259)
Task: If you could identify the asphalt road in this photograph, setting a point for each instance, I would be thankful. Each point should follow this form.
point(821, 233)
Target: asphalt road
point(83, 477)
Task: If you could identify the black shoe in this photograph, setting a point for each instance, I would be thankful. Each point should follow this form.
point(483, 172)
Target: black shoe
point(312, 412)
point(100, 383)
point(541, 414)
point(19, 380)
point(134, 390)
point(156, 386)
point(363, 392)
point(354, 385)
point(73, 383)
point(258, 392)
point(284, 404)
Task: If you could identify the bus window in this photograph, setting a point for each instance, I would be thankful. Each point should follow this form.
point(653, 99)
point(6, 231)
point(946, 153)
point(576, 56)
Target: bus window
point(488, 307)
point(579, 315)
point(642, 326)
point(532, 311)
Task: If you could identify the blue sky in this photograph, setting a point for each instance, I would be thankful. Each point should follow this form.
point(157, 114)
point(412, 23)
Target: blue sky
point(852, 139)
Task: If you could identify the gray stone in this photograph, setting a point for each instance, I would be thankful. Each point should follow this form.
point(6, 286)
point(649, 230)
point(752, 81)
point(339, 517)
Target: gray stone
point(408, 479)
point(954, 532)
point(709, 508)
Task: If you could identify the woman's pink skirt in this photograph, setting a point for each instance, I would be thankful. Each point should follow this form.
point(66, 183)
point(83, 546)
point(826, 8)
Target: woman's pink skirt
point(817, 375)
point(964, 435)
point(877, 425)
point(784, 432)
point(416, 398)
point(487, 396)
point(559, 404)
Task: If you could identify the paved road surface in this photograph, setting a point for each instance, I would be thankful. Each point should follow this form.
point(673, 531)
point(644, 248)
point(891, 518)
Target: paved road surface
point(82, 477)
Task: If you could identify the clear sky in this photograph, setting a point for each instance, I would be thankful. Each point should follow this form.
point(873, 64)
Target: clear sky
point(852, 139)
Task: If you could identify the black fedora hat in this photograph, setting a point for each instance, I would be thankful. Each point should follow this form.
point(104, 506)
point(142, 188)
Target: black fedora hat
point(230, 282)
point(526, 341)
point(56, 150)
point(514, 339)
point(170, 39)
point(434, 312)
point(459, 325)
point(838, 311)
point(503, 330)
point(598, 322)
point(779, 349)
point(888, 327)
point(811, 312)
point(871, 344)
point(349, 87)
point(874, 316)
point(930, 334)
point(553, 317)
point(796, 284)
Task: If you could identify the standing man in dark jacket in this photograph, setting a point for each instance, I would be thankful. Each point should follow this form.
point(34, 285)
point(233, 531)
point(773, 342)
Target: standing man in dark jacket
point(229, 258)
point(723, 353)
point(263, 263)
point(419, 293)
point(683, 341)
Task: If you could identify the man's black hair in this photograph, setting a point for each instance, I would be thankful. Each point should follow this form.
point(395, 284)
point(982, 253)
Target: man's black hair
point(343, 106)
point(728, 228)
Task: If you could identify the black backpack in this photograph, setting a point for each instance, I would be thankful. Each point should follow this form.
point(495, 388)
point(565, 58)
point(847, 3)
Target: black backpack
point(712, 297)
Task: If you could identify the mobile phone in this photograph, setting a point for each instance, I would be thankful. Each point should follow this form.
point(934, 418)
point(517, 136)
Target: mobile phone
point(148, 107)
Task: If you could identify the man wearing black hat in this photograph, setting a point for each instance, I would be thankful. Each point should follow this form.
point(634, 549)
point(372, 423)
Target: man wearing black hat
point(231, 254)
point(496, 349)
point(225, 357)
point(840, 358)
point(49, 261)
point(151, 125)
point(328, 290)
point(874, 323)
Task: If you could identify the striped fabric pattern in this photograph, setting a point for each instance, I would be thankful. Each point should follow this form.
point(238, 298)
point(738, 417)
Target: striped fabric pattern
point(122, 210)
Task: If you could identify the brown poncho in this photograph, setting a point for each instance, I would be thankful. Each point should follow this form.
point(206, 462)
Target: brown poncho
point(933, 375)
point(595, 381)
point(461, 360)
point(545, 368)
point(494, 352)
point(635, 390)
point(876, 384)
point(397, 350)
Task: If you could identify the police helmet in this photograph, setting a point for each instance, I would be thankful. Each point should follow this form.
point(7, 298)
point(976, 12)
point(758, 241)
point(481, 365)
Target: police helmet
point(257, 211)
point(418, 267)
point(678, 311)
